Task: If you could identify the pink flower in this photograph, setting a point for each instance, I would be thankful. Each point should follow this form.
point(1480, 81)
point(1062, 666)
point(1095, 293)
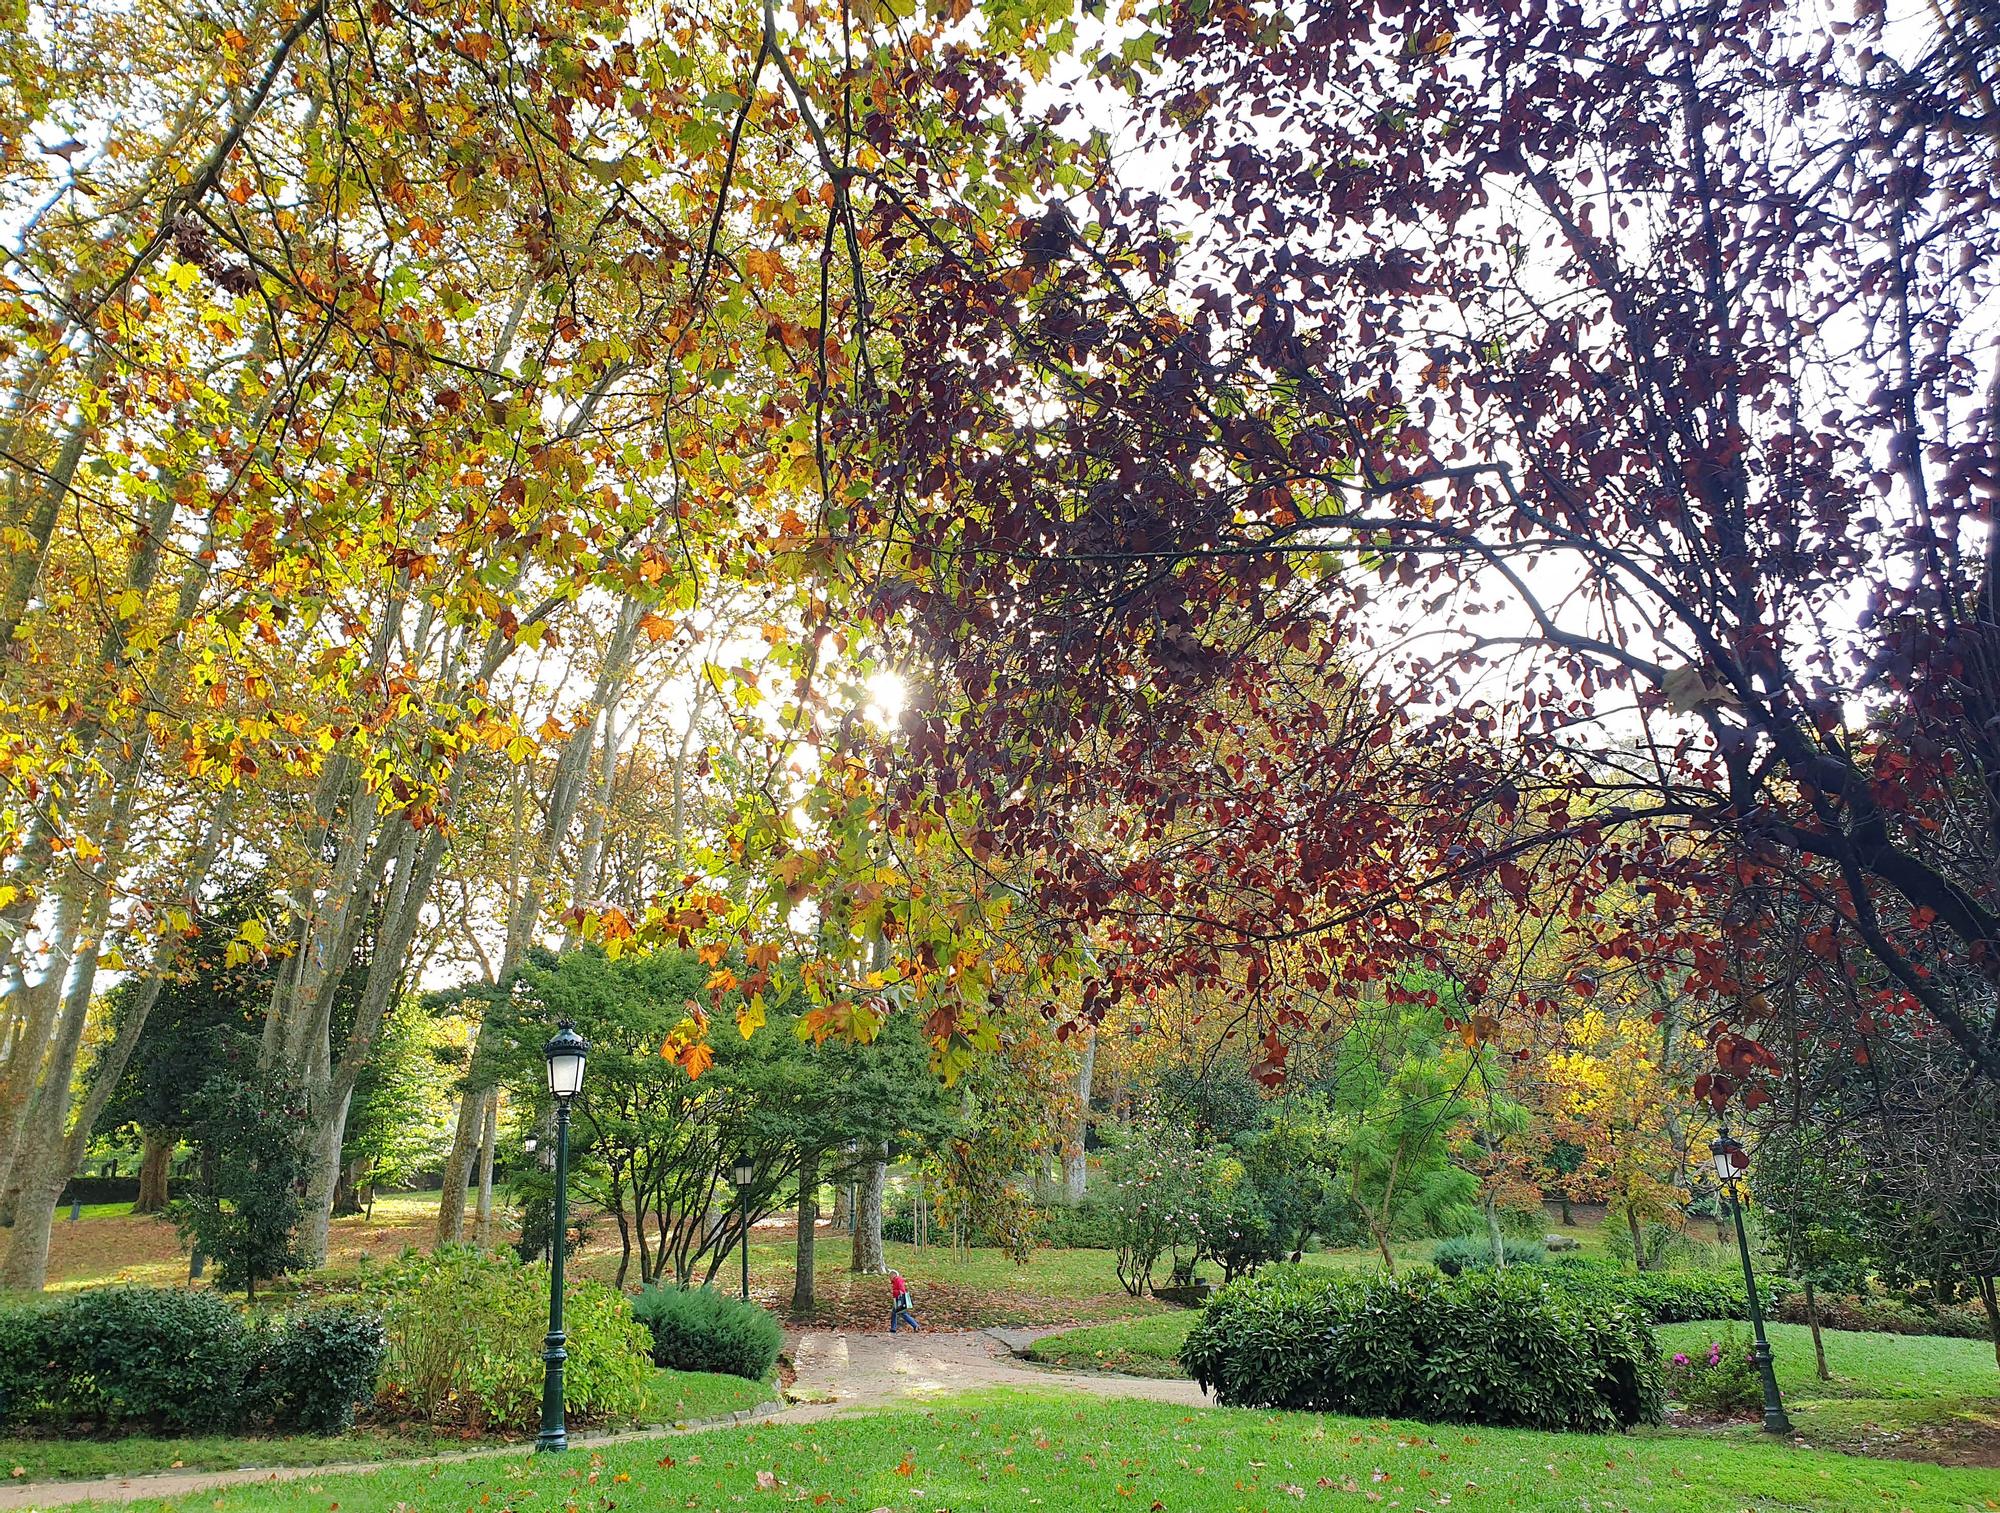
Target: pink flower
point(1715, 1355)
point(1680, 1359)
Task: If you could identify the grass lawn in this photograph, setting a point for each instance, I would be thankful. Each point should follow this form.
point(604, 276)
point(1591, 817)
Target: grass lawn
point(672, 1397)
point(1137, 1347)
point(685, 1397)
point(34, 1458)
point(1891, 1394)
point(1920, 1396)
point(1023, 1450)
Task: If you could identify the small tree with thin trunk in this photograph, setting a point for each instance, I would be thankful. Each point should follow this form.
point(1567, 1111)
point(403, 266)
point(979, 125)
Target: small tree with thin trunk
point(251, 1131)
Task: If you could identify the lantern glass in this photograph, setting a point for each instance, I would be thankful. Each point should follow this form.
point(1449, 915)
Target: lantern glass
point(745, 1171)
point(566, 1053)
point(529, 1144)
point(1728, 1156)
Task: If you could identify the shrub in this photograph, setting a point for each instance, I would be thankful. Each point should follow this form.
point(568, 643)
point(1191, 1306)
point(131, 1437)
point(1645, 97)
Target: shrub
point(1675, 1297)
point(700, 1329)
point(465, 1341)
point(246, 1212)
point(1878, 1315)
point(1238, 1232)
point(169, 1357)
point(27, 1367)
point(1721, 1380)
point(318, 1363)
point(1490, 1347)
point(1088, 1225)
point(1464, 1253)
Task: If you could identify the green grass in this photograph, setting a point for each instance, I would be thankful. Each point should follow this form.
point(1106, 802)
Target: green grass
point(672, 1397)
point(685, 1397)
point(1022, 1450)
point(1137, 1347)
point(34, 1458)
point(1890, 1393)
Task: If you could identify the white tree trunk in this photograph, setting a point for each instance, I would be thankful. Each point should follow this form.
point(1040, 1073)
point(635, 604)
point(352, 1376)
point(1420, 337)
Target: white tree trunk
point(483, 1231)
point(1076, 1166)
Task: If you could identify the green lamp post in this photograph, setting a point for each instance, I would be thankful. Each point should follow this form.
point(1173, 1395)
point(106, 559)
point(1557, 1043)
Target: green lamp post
point(745, 1173)
point(565, 1052)
point(1731, 1159)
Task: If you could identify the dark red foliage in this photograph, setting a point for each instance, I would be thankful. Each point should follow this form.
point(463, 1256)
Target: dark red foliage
point(1528, 449)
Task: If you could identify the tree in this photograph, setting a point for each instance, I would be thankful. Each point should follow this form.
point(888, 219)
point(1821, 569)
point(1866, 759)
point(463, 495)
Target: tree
point(1402, 1103)
point(1293, 1160)
point(1613, 1091)
point(1509, 384)
point(216, 994)
point(398, 1122)
point(1154, 1201)
point(250, 1134)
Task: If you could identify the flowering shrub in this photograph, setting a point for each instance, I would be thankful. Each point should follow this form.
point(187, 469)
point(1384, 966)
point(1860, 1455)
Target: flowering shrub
point(1721, 1379)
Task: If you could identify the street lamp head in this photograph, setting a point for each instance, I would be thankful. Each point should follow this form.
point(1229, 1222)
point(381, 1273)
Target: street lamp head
point(1729, 1156)
point(746, 1171)
point(566, 1051)
point(529, 1144)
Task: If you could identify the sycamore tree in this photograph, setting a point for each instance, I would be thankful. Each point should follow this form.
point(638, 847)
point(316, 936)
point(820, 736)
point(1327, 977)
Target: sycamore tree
point(381, 385)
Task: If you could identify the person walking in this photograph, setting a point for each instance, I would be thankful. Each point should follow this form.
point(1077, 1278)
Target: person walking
point(899, 1303)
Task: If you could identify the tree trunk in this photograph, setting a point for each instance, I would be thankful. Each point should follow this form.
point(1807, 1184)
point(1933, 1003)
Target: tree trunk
point(868, 1257)
point(802, 1282)
point(1569, 1219)
point(1812, 1318)
point(26, 1267)
point(1493, 1235)
point(458, 1167)
point(1076, 1165)
point(343, 1192)
point(1989, 1294)
point(1382, 1245)
point(325, 1171)
point(483, 1229)
point(157, 1154)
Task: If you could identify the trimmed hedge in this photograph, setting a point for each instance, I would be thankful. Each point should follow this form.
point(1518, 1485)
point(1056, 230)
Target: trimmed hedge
point(1676, 1297)
point(700, 1329)
point(1504, 1348)
point(169, 1358)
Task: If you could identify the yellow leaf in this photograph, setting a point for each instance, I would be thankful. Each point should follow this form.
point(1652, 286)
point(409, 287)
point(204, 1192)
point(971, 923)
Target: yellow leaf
point(750, 1016)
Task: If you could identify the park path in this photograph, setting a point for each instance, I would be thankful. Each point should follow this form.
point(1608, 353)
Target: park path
point(839, 1370)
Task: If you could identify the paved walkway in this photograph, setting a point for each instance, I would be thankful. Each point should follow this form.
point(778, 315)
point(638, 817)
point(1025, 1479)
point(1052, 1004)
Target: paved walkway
point(838, 1370)
point(861, 1369)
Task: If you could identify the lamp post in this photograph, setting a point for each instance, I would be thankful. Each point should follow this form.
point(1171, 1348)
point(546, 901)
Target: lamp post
point(1729, 1160)
point(565, 1053)
point(746, 1170)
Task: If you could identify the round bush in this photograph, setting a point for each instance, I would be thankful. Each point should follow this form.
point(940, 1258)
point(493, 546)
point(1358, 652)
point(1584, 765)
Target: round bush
point(318, 1363)
point(1490, 1347)
point(1463, 1253)
point(700, 1329)
point(465, 1341)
